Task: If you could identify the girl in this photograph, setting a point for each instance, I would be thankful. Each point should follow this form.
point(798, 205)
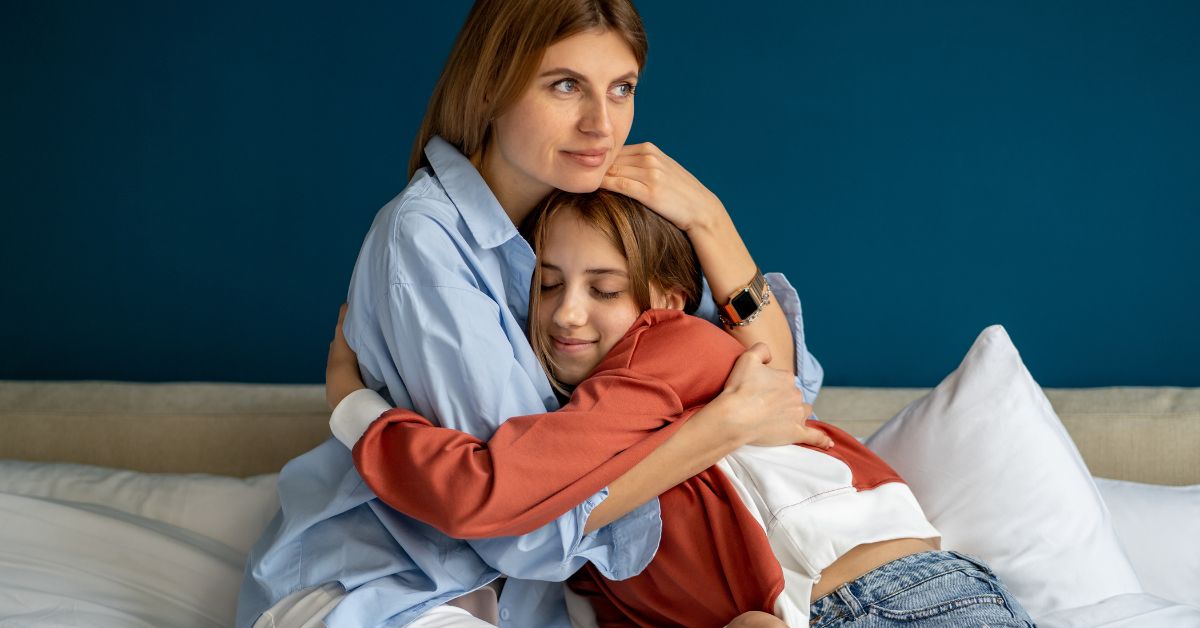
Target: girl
point(764, 531)
point(536, 95)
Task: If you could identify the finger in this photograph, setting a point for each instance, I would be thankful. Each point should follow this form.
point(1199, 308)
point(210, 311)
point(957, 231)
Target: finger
point(629, 187)
point(816, 438)
point(637, 173)
point(643, 148)
point(742, 368)
point(647, 153)
point(762, 350)
point(641, 160)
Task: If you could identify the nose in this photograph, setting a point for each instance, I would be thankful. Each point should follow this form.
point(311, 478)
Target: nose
point(593, 116)
point(570, 311)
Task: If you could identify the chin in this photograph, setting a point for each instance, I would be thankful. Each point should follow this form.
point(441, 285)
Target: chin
point(570, 380)
point(580, 184)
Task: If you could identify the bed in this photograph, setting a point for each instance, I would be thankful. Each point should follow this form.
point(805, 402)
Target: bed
point(133, 504)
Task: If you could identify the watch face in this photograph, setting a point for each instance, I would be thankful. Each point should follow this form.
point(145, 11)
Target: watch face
point(744, 304)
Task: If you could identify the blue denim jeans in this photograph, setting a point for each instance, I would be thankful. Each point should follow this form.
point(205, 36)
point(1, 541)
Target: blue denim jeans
point(935, 589)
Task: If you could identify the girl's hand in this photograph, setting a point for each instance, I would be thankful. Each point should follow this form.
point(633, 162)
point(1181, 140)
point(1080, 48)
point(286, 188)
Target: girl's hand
point(766, 406)
point(645, 173)
point(341, 367)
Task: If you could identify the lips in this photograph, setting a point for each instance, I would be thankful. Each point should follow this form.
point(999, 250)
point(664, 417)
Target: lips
point(591, 157)
point(571, 345)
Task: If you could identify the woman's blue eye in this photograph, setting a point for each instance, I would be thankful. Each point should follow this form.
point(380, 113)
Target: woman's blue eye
point(624, 90)
point(565, 86)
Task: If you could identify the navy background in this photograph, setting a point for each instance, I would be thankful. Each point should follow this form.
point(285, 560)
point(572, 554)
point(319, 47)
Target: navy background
point(186, 184)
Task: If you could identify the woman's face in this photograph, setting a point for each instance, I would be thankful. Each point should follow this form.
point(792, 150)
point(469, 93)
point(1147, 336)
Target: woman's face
point(586, 305)
point(566, 128)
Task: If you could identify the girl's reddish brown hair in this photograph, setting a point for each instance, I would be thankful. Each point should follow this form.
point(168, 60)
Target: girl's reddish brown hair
point(657, 252)
point(496, 55)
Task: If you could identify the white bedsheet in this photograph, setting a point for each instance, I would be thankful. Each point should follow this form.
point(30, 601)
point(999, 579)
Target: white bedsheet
point(1134, 610)
point(73, 564)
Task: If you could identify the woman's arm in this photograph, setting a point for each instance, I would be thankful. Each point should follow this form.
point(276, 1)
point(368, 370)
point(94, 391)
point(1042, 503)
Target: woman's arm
point(341, 366)
point(644, 172)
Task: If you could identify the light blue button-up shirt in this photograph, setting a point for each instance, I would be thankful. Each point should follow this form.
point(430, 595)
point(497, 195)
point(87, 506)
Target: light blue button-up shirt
point(438, 307)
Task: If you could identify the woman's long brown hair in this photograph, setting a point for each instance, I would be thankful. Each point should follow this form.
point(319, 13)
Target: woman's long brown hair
point(656, 251)
point(496, 55)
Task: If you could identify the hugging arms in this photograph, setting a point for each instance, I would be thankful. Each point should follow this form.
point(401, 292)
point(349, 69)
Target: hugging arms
point(603, 262)
point(536, 96)
point(736, 534)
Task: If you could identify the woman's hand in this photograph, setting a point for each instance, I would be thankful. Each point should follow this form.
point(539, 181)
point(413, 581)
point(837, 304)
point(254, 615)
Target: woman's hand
point(341, 367)
point(645, 173)
point(756, 619)
point(765, 404)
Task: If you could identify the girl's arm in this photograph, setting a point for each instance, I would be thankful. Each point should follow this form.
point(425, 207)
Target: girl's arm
point(425, 323)
point(538, 466)
point(759, 406)
point(645, 173)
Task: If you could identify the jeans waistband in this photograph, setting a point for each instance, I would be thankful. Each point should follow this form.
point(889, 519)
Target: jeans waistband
point(891, 578)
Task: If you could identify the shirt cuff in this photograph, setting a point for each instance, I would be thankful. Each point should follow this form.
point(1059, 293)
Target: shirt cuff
point(634, 538)
point(354, 414)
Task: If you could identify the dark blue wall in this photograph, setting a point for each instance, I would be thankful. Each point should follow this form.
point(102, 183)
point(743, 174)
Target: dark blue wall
point(186, 184)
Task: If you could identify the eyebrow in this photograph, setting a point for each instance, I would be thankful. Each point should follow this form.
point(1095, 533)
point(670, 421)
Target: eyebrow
point(579, 77)
point(591, 271)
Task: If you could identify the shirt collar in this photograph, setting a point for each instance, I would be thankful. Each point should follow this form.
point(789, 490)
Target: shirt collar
point(484, 216)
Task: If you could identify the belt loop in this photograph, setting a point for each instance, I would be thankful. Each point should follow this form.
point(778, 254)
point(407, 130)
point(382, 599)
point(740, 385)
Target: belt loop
point(851, 602)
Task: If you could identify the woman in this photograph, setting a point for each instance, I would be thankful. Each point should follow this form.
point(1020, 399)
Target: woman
point(536, 95)
point(816, 520)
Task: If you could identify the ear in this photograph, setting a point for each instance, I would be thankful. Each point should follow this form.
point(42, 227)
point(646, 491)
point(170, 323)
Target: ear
point(668, 300)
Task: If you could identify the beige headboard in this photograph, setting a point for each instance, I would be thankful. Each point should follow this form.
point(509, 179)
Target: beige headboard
point(1141, 434)
point(227, 429)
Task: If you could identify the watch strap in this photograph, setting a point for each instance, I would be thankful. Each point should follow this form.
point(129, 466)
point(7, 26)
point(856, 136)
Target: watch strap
point(746, 303)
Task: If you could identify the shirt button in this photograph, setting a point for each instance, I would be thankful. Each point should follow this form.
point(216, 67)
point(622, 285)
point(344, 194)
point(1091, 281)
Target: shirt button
point(504, 614)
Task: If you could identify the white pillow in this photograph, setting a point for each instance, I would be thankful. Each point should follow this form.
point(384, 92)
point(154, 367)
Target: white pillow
point(230, 510)
point(1158, 526)
point(997, 474)
point(65, 564)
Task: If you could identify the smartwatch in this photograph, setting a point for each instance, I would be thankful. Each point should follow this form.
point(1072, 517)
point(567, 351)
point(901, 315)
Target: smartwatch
point(747, 302)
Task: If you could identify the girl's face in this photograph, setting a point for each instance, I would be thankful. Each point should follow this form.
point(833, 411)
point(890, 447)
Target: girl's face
point(586, 305)
point(565, 130)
